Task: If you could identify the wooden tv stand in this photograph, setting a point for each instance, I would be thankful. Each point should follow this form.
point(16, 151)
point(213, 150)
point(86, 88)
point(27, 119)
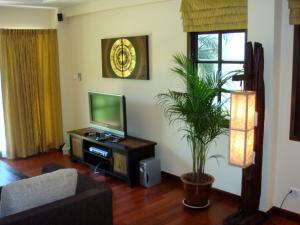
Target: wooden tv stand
point(123, 158)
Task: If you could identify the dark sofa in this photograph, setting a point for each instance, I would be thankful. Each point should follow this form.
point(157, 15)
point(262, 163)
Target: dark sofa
point(92, 205)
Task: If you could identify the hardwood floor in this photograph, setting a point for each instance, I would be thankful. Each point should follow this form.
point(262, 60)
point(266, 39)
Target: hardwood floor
point(159, 205)
point(277, 220)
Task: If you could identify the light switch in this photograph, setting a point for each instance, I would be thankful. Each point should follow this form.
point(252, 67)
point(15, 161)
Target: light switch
point(77, 76)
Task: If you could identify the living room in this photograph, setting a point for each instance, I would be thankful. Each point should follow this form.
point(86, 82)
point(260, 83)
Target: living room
point(80, 32)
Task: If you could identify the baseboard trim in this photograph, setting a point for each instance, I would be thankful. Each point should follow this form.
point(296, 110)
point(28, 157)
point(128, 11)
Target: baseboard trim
point(214, 190)
point(227, 194)
point(284, 213)
point(169, 175)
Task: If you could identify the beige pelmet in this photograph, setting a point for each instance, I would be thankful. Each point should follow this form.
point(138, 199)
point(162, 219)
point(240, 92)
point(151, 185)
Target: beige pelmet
point(294, 6)
point(31, 91)
point(208, 15)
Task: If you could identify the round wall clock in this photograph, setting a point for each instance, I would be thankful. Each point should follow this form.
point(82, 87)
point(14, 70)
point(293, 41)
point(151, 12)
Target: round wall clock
point(122, 57)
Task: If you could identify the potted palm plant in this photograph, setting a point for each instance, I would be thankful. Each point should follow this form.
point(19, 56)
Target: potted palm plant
point(202, 118)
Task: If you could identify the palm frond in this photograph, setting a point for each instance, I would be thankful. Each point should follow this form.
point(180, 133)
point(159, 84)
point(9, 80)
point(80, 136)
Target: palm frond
point(216, 157)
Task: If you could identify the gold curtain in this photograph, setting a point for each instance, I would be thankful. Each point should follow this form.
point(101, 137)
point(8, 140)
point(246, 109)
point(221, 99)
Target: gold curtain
point(294, 6)
point(31, 91)
point(213, 15)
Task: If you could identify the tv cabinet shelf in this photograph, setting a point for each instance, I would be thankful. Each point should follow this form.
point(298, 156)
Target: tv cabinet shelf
point(123, 157)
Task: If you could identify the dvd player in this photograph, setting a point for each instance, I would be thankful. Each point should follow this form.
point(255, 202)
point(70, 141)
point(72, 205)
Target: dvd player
point(102, 152)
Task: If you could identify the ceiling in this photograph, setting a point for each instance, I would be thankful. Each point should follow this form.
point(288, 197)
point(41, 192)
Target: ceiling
point(43, 3)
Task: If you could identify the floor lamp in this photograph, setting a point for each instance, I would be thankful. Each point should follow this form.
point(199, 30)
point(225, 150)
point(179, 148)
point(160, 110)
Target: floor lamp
point(246, 140)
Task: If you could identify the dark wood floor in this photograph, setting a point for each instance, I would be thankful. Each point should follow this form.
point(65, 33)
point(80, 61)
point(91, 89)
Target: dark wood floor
point(160, 205)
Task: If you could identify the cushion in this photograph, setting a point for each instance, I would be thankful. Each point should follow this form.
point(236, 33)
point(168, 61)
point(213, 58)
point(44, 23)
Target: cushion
point(40, 190)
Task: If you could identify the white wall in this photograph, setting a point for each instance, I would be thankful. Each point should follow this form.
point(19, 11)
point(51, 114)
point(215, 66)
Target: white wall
point(263, 27)
point(66, 79)
point(27, 18)
point(268, 24)
point(288, 152)
point(80, 49)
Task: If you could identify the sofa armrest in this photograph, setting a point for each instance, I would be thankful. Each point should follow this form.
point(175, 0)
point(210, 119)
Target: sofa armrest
point(92, 207)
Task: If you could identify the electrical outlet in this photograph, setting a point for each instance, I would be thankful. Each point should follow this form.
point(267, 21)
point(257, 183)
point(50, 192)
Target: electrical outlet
point(295, 192)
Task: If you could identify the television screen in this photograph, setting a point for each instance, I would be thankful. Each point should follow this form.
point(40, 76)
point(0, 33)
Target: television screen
point(107, 112)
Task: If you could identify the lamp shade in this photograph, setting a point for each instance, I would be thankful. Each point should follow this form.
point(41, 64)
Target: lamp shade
point(242, 122)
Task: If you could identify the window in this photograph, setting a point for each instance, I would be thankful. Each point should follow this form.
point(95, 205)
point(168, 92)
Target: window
point(219, 52)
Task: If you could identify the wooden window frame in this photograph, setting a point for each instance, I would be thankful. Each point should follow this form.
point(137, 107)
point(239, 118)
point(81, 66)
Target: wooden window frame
point(295, 97)
point(193, 48)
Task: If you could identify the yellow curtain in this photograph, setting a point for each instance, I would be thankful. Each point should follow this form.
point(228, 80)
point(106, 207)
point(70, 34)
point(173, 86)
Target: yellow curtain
point(31, 91)
point(213, 15)
point(50, 98)
point(294, 6)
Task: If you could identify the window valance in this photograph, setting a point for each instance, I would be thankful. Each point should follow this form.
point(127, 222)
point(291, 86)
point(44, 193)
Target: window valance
point(294, 6)
point(212, 15)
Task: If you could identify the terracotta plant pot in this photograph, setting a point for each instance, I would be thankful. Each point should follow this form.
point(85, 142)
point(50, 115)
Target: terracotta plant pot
point(196, 195)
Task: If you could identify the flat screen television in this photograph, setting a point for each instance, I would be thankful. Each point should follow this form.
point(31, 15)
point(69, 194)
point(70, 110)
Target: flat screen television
point(108, 113)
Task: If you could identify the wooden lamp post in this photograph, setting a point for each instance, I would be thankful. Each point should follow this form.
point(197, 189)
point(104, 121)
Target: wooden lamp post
point(249, 213)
